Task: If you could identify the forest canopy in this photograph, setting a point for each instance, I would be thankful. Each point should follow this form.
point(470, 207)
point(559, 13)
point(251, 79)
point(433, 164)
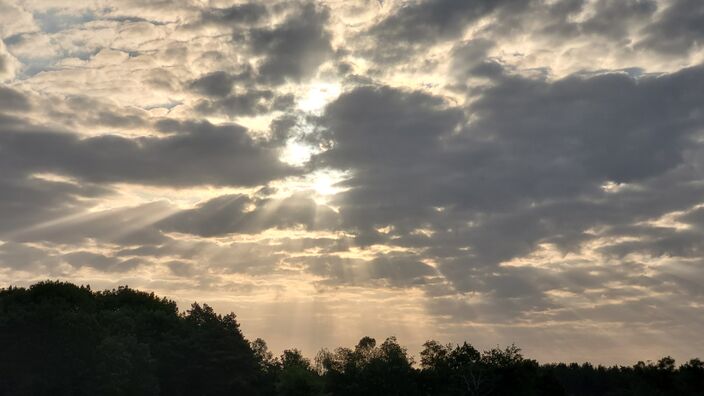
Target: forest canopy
point(58, 338)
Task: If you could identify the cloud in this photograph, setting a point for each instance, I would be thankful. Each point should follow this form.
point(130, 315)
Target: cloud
point(677, 30)
point(294, 48)
point(241, 214)
point(419, 24)
point(429, 21)
point(217, 83)
point(9, 65)
point(127, 226)
point(13, 100)
point(386, 270)
point(99, 261)
point(14, 20)
point(195, 153)
point(25, 201)
point(528, 168)
point(22, 257)
point(602, 18)
point(250, 103)
point(237, 14)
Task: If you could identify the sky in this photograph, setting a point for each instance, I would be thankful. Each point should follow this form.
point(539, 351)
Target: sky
point(491, 171)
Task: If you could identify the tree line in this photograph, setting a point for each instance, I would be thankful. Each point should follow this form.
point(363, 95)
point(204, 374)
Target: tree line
point(57, 338)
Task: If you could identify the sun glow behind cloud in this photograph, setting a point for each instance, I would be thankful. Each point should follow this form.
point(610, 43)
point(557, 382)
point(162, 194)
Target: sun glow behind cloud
point(296, 153)
point(318, 96)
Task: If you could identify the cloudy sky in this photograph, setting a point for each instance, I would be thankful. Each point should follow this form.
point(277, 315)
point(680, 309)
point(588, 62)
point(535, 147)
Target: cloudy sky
point(496, 171)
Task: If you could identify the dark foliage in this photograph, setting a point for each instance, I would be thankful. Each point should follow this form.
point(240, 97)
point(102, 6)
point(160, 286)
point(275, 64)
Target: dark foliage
point(60, 339)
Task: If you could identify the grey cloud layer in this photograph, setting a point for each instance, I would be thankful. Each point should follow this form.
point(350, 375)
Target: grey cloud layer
point(570, 29)
point(241, 214)
point(197, 153)
point(419, 24)
point(532, 144)
point(532, 166)
point(295, 48)
point(678, 29)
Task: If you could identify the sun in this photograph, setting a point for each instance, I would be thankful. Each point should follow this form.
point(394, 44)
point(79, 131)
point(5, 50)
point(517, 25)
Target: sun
point(316, 96)
point(327, 182)
point(296, 153)
point(319, 94)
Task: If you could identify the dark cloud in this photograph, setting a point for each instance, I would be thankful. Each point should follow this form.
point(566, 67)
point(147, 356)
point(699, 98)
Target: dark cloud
point(418, 24)
point(50, 179)
point(677, 30)
point(12, 100)
point(658, 242)
point(19, 256)
point(389, 270)
point(23, 257)
point(681, 240)
point(399, 270)
point(81, 111)
point(380, 126)
point(529, 168)
point(123, 226)
point(470, 59)
point(427, 21)
point(251, 102)
point(608, 127)
point(99, 261)
point(246, 13)
point(25, 201)
point(293, 49)
point(214, 84)
point(613, 18)
point(236, 95)
point(180, 268)
point(220, 83)
point(124, 121)
point(519, 295)
point(199, 154)
point(242, 214)
point(608, 19)
point(694, 218)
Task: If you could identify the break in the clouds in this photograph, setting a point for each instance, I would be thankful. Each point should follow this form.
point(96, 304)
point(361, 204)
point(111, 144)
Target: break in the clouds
point(496, 171)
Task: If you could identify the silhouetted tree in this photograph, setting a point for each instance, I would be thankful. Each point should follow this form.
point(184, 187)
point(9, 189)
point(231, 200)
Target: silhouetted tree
point(297, 377)
point(60, 339)
point(369, 369)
